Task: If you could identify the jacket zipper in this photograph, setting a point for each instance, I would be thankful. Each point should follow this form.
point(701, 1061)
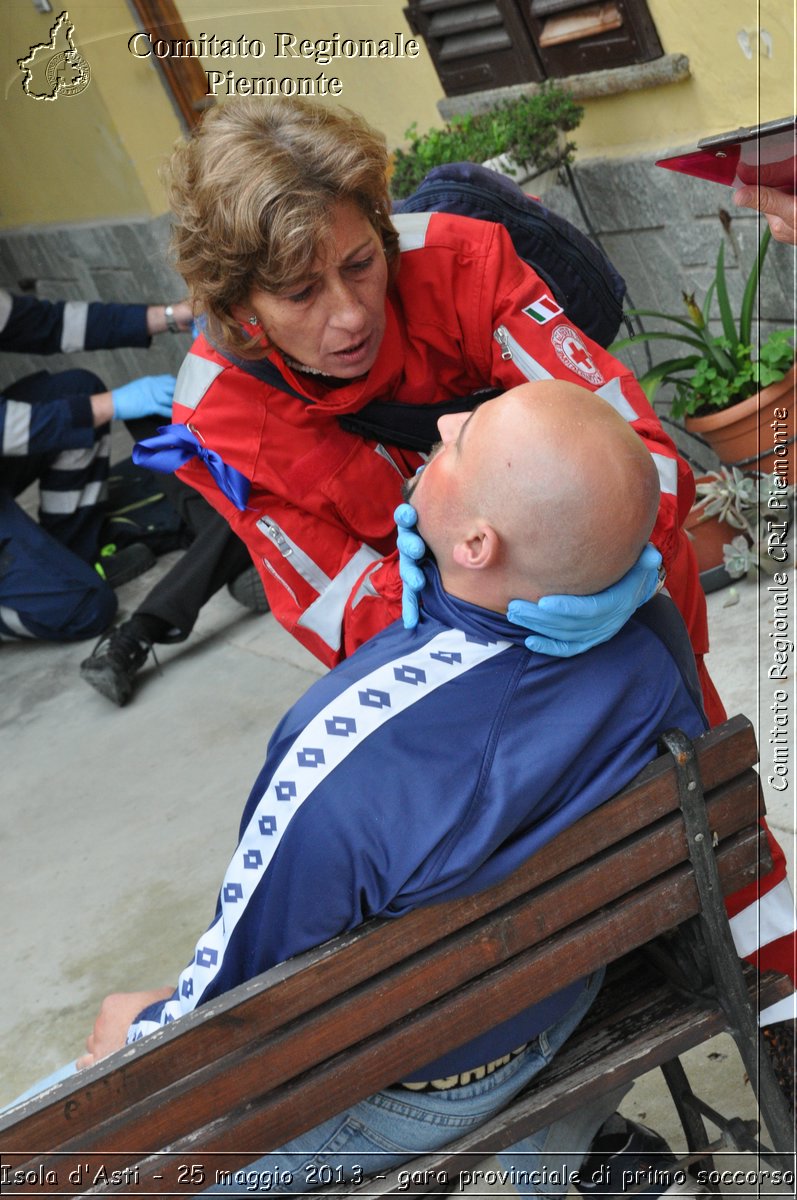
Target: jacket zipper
point(386, 455)
point(300, 560)
point(511, 350)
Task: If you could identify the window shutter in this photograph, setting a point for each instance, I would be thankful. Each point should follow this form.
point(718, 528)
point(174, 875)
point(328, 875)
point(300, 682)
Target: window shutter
point(574, 37)
point(475, 44)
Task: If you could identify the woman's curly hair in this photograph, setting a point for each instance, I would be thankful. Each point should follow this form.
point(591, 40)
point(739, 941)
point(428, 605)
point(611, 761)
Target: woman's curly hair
point(252, 191)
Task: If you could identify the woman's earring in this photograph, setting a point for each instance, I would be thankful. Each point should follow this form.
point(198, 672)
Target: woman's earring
point(252, 320)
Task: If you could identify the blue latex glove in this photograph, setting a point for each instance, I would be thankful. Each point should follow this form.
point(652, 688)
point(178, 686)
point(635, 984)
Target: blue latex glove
point(412, 548)
point(564, 626)
point(147, 397)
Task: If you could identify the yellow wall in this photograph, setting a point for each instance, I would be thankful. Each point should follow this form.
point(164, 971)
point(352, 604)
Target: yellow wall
point(390, 92)
point(96, 155)
point(726, 89)
point(81, 157)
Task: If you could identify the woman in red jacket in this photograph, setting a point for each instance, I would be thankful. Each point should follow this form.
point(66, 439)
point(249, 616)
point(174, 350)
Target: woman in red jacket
point(315, 304)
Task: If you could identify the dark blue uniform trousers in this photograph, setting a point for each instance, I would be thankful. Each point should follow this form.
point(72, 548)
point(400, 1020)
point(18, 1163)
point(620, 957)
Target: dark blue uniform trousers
point(49, 588)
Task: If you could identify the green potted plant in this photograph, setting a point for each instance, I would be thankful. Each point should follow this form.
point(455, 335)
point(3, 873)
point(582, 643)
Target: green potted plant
point(732, 521)
point(727, 390)
point(525, 135)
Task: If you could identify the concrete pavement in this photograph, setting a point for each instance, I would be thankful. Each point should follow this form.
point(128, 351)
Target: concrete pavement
point(117, 824)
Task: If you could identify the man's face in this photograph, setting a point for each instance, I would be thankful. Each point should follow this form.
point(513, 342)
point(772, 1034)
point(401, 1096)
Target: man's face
point(334, 319)
point(436, 493)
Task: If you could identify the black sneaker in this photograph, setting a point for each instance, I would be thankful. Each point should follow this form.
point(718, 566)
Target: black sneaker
point(627, 1157)
point(247, 589)
point(120, 566)
point(113, 664)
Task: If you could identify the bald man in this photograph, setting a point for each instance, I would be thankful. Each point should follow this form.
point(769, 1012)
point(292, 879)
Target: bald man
point(434, 761)
point(519, 487)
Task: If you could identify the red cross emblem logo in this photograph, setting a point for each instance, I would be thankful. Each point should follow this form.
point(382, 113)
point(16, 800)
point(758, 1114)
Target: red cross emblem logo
point(574, 354)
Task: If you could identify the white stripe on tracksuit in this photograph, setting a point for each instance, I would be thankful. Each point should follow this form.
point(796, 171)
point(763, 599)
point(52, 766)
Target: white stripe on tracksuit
point(440, 660)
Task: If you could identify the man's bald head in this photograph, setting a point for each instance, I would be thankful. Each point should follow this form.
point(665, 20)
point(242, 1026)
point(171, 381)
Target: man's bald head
point(543, 490)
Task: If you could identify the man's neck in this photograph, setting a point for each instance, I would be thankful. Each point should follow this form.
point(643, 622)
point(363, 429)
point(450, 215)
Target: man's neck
point(484, 589)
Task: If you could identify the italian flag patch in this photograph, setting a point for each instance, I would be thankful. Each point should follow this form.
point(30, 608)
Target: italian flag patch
point(543, 310)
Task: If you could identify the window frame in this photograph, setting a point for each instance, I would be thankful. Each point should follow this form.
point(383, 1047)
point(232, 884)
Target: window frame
point(184, 78)
point(529, 62)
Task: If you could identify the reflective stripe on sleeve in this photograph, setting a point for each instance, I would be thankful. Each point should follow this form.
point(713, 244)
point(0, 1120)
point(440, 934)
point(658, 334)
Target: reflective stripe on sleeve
point(6, 305)
point(668, 473)
point(16, 429)
point(412, 229)
point(73, 328)
point(10, 618)
point(784, 1010)
point(612, 393)
point(768, 918)
point(324, 617)
point(81, 457)
point(193, 380)
point(63, 503)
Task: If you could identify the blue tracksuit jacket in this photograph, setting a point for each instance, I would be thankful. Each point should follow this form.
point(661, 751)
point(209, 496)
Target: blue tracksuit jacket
point(429, 765)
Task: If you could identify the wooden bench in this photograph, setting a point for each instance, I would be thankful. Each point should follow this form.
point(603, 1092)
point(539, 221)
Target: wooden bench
point(314, 1035)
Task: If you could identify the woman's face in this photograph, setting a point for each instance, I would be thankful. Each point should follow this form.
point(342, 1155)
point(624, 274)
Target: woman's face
point(334, 318)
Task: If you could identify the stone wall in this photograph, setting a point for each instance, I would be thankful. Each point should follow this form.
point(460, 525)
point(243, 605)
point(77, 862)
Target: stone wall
point(662, 230)
point(125, 262)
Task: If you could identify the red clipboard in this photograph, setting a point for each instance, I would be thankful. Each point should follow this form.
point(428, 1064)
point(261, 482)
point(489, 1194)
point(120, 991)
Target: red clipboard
point(764, 154)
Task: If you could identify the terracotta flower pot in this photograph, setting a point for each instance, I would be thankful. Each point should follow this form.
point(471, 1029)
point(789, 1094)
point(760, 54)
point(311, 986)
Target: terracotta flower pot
point(708, 537)
point(750, 430)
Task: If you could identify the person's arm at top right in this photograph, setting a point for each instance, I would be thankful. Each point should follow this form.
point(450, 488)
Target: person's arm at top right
point(779, 208)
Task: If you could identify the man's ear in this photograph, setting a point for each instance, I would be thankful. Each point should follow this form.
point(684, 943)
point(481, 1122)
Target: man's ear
point(478, 549)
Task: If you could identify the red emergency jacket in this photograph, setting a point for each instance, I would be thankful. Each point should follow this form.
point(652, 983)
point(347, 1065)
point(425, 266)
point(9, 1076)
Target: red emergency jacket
point(463, 313)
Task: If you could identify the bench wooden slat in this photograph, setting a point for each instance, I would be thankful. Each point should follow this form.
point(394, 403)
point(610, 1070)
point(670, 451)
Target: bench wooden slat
point(630, 1030)
point(722, 753)
point(327, 1089)
point(333, 1086)
point(270, 1061)
point(313, 1036)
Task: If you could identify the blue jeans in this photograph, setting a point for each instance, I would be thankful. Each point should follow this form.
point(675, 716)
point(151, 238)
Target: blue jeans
point(41, 1085)
point(396, 1125)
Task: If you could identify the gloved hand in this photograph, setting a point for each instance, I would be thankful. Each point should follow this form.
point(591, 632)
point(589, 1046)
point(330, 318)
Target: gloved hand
point(147, 397)
point(564, 626)
point(412, 548)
